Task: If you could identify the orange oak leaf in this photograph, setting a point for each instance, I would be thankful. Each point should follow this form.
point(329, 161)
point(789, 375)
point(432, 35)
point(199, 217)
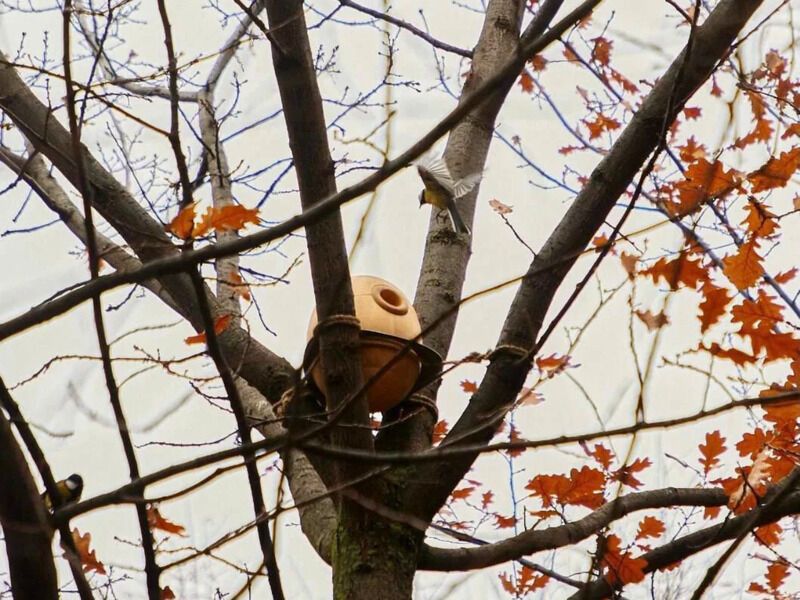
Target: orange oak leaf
point(468, 386)
point(525, 582)
point(600, 125)
point(703, 181)
point(681, 270)
point(650, 527)
point(439, 431)
point(602, 50)
point(87, 557)
point(239, 286)
point(751, 482)
point(736, 356)
point(629, 263)
point(783, 412)
point(504, 522)
point(514, 436)
point(744, 268)
point(625, 473)
point(233, 217)
point(499, 207)
point(181, 226)
point(526, 82)
point(759, 315)
point(602, 455)
point(769, 535)
point(691, 150)
point(751, 444)
point(621, 566)
point(554, 364)
point(776, 172)
point(712, 450)
point(529, 397)
point(776, 574)
point(760, 222)
point(583, 487)
point(156, 521)
point(463, 493)
point(715, 301)
point(205, 224)
point(786, 276)
point(600, 241)
point(651, 321)
point(692, 112)
point(220, 325)
point(486, 499)
point(762, 131)
point(167, 594)
point(538, 62)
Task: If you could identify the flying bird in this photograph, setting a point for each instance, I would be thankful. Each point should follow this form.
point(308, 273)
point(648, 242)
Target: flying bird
point(442, 190)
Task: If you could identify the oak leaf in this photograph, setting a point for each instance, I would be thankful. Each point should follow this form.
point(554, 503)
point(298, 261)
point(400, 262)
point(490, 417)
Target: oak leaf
point(462, 493)
point(680, 270)
point(713, 306)
point(769, 535)
point(526, 82)
point(625, 473)
point(499, 207)
point(704, 180)
point(470, 387)
point(600, 125)
point(553, 365)
point(220, 325)
point(439, 431)
point(505, 522)
point(602, 455)
point(651, 321)
point(181, 226)
point(751, 444)
point(760, 222)
point(240, 288)
point(621, 566)
point(583, 487)
point(776, 172)
point(156, 521)
point(712, 450)
point(650, 527)
point(233, 217)
point(776, 573)
point(87, 557)
point(744, 268)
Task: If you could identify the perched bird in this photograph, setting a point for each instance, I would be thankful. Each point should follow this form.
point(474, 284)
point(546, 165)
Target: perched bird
point(69, 490)
point(441, 190)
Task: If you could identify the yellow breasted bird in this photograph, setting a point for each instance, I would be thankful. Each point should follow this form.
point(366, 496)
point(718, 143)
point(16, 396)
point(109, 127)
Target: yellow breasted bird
point(69, 490)
point(442, 190)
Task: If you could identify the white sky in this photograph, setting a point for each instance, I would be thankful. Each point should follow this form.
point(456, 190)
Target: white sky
point(163, 408)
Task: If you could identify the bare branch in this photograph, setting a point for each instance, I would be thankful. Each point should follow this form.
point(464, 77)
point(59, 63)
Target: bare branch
point(512, 358)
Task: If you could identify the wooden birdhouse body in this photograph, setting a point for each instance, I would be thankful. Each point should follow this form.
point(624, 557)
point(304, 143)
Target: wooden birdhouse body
point(388, 324)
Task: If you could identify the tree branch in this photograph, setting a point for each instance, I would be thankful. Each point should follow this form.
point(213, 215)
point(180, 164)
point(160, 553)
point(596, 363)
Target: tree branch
point(511, 360)
point(24, 524)
point(533, 540)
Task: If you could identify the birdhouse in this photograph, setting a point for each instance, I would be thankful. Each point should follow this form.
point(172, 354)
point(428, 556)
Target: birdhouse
point(390, 333)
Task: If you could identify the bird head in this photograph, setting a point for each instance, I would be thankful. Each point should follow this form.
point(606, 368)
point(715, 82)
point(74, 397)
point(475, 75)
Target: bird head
point(75, 484)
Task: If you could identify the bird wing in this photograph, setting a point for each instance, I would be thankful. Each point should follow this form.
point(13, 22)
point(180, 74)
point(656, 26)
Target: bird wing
point(465, 184)
point(433, 169)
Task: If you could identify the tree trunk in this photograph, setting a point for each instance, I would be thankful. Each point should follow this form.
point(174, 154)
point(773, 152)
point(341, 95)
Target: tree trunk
point(374, 558)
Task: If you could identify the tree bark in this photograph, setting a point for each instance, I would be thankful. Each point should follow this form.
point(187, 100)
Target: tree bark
point(27, 533)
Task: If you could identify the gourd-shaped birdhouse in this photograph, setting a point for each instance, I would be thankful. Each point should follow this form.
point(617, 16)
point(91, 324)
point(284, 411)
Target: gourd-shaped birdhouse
point(390, 333)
